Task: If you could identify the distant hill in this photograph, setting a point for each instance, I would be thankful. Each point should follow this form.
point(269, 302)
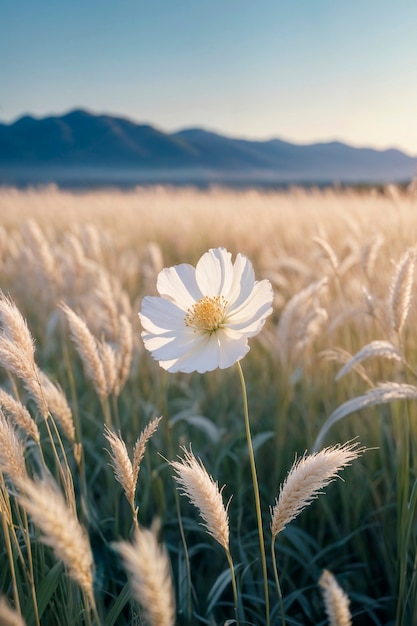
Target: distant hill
point(87, 148)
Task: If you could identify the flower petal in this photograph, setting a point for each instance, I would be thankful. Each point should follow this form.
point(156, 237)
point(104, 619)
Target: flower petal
point(172, 345)
point(182, 348)
point(243, 281)
point(232, 349)
point(159, 314)
point(250, 316)
point(178, 284)
point(204, 356)
point(214, 272)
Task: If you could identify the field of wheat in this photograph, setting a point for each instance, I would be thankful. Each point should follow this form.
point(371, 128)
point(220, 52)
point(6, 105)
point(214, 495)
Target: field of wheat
point(127, 492)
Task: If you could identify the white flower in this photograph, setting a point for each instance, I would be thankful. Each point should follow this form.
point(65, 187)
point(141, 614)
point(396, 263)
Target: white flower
point(206, 314)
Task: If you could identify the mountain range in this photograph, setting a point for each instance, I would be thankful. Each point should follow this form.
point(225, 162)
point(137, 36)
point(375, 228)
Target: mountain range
point(80, 147)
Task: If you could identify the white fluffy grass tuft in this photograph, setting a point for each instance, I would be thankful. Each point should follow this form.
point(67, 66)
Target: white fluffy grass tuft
point(306, 479)
point(335, 600)
point(204, 493)
point(150, 576)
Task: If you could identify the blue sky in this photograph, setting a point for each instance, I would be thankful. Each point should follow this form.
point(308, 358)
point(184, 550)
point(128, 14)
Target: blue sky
point(301, 70)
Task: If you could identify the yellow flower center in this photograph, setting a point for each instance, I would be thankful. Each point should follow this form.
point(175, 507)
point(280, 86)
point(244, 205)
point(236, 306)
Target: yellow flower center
point(206, 314)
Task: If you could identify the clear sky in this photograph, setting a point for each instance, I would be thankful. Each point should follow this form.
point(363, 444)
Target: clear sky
point(300, 70)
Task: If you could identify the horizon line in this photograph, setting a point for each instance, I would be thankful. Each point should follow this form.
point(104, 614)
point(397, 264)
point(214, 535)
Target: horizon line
point(202, 127)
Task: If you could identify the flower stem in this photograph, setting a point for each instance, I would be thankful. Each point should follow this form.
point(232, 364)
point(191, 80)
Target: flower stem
point(256, 491)
point(274, 562)
point(232, 572)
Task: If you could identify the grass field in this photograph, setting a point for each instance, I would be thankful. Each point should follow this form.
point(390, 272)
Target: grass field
point(75, 266)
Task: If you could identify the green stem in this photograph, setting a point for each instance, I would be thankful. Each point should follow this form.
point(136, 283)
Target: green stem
point(105, 406)
point(402, 507)
point(274, 564)
point(256, 491)
point(186, 555)
point(232, 571)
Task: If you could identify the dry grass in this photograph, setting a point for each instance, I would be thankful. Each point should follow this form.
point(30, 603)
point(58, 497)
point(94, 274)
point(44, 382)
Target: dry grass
point(343, 293)
point(60, 528)
point(306, 479)
point(335, 600)
point(204, 493)
point(148, 566)
point(8, 616)
point(126, 471)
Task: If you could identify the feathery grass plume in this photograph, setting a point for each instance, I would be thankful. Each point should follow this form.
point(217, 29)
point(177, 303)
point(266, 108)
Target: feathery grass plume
point(91, 238)
point(309, 327)
point(87, 349)
point(330, 253)
point(60, 529)
point(383, 349)
point(204, 493)
point(125, 471)
point(298, 307)
point(108, 360)
point(124, 353)
point(150, 577)
point(42, 256)
point(8, 616)
point(343, 356)
point(17, 352)
point(16, 361)
point(19, 415)
point(307, 477)
point(14, 327)
point(400, 291)
point(106, 302)
point(57, 404)
point(382, 393)
point(12, 459)
point(370, 255)
point(335, 600)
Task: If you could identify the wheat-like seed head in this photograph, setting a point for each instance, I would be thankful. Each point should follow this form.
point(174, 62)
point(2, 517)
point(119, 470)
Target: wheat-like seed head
point(204, 493)
point(40, 248)
point(140, 445)
point(8, 616)
point(307, 477)
point(124, 352)
point(148, 566)
point(87, 348)
point(335, 600)
point(400, 292)
point(108, 360)
point(121, 464)
point(126, 472)
point(19, 415)
point(329, 252)
point(105, 299)
point(60, 528)
point(12, 459)
point(14, 327)
point(15, 360)
point(57, 404)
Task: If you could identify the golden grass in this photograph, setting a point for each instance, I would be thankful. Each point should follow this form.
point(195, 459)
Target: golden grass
point(199, 487)
point(335, 600)
point(149, 569)
point(343, 291)
point(307, 478)
point(186, 221)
